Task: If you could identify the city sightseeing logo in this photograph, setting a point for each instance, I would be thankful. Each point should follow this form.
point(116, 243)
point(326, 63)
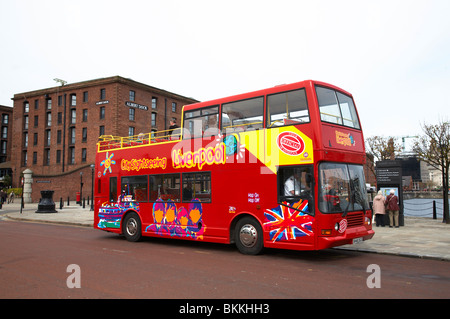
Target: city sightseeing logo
point(345, 139)
point(290, 143)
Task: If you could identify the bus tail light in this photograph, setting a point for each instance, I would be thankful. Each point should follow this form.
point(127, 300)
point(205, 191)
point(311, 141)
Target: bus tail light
point(326, 232)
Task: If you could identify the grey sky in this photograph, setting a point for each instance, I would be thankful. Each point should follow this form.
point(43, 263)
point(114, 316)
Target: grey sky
point(393, 56)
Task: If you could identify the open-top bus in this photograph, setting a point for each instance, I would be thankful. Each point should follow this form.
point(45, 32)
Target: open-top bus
point(280, 167)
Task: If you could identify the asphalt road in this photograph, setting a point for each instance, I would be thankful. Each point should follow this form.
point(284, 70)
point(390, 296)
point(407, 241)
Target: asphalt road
point(35, 262)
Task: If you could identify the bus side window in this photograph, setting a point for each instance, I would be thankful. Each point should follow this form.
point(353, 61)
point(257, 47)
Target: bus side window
point(243, 115)
point(201, 122)
point(287, 108)
point(197, 186)
point(165, 187)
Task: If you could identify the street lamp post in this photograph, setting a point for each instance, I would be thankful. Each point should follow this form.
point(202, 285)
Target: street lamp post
point(81, 188)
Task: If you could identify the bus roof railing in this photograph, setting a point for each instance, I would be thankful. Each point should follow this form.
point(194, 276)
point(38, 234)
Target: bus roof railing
point(110, 142)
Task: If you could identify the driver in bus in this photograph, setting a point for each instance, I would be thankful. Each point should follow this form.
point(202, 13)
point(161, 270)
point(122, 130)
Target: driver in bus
point(292, 186)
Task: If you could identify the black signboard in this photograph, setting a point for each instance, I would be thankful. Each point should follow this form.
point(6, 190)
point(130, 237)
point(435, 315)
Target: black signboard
point(389, 176)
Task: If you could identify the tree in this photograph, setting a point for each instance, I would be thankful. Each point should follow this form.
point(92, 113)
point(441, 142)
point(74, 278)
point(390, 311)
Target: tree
point(434, 149)
point(383, 148)
point(380, 148)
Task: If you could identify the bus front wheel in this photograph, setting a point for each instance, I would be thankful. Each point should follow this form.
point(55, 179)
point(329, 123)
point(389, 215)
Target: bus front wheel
point(132, 227)
point(249, 236)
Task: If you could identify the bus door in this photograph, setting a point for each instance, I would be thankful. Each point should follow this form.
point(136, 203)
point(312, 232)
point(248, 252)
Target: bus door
point(292, 221)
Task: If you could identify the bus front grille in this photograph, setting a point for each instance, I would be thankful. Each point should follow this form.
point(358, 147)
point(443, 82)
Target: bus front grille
point(354, 220)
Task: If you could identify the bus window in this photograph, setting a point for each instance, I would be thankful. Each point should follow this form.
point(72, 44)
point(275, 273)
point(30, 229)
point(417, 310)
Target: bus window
point(203, 122)
point(197, 186)
point(242, 115)
point(113, 189)
point(336, 108)
point(165, 187)
point(348, 110)
point(342, 188)
point(295, 183)
point(287, 108)
point(136, 186)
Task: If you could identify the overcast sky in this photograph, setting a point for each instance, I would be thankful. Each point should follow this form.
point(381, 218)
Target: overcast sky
point(393, 56)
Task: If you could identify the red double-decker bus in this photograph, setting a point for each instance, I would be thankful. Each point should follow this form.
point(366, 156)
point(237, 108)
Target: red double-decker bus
point(280, 167)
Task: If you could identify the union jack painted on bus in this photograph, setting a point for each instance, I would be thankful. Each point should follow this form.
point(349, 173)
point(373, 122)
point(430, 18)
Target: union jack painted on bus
point(288, 221)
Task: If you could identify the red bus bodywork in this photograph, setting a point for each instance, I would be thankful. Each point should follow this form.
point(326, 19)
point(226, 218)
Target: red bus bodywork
point(233, 170)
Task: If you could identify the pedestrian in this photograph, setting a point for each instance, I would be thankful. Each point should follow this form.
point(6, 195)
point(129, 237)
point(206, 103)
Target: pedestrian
point(11, 197)
point(174, 130)
point(392, 207)
point(378, 208)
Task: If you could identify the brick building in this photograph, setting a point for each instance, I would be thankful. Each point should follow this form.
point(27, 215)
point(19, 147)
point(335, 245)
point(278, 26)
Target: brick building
point(6, 113)
point(56, 129)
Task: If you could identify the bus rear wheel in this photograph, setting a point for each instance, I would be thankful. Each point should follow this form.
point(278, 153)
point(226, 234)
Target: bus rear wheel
point(132, 227)
point(249, 236)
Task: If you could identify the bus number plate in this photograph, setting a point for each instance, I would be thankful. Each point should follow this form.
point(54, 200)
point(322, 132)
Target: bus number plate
point(358, 240)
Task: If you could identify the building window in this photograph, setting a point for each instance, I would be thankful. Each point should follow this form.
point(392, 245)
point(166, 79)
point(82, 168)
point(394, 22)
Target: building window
point(36, 120)
point(48, 137)
point(58, 137)
point(71, 155)
point(60, 100)
point(83, 155)
point(85, 96)
point(49, 104)
point(4, 132)
point(84, 137)
point(36, 104)
point(47, 157)
point(132, 95)
point(85, 115)
point(35, 139)
point(153, 119)
point(73, 116)
point(25, 139)
point(59, 118)
point(26, 107)
point(101, 130)
point(131, 131)
point(154, 102)
point(102, 94)
point(4, 144)
point(73, 99)
point(5, 118)
point(131, 114)
point(72, 135)
point(174, 107)
point(25, 122)
point(49, 119)
point(34, 158)
point(58, 156)
point(102, 112)
point(24, 158)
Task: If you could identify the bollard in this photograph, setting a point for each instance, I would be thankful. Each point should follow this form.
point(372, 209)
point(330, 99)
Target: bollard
point(60, 203)
point(434, 210)
point(68, 201)
point(84, 202)
point(46, 203)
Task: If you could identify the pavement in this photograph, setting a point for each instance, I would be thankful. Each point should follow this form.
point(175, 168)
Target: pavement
point(420, 237)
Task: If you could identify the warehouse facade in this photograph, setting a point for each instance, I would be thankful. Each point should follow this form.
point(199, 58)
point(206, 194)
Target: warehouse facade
point(56, 129)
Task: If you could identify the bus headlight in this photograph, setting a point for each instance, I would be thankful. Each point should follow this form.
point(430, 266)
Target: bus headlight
point(336, 227)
